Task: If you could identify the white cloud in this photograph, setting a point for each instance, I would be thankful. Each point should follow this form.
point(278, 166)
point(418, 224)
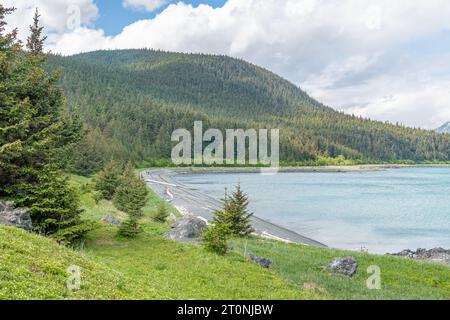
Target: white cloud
point(348, 53)
point(56, 15)
point(146, 5)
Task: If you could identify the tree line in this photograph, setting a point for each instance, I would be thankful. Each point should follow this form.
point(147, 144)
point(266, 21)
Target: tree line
point(132, 100)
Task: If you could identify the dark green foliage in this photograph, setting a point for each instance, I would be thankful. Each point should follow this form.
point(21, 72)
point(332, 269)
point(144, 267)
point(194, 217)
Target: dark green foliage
point(88, 156)
point(33, 130)
point(35, 42)
point(131, 194)
point(130, 228)
point(215, 237)
point(235, 213)
point(34, 136)
point(136, 98)
point(107, 180)
point(54, 207)
point(161, 214)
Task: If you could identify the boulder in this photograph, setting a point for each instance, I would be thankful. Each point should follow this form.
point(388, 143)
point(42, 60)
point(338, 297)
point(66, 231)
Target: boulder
point(19, 218)
point(436, 255)
point(263, 262)
point(110, 219)
point(186, 230)
point(346, 266)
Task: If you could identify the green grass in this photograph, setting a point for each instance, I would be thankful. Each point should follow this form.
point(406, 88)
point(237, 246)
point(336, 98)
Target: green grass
point(183, 271)
point(151, 267)
point(400, 278)
point(174, 270)
point(34, 267)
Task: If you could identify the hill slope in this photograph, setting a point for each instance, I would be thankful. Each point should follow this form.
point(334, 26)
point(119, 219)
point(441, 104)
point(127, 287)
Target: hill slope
point(134, 99)
point(34, 267)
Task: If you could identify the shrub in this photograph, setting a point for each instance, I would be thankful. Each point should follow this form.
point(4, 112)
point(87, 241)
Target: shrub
point(130, 228)
point(161, 214)
point(215, 237)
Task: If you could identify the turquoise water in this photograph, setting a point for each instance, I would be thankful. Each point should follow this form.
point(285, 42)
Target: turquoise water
point(385, 211)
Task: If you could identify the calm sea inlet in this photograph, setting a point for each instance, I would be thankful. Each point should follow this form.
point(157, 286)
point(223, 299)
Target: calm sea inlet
point(383, 211)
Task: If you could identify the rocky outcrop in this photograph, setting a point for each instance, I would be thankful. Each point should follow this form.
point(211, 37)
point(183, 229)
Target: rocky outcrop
point(110, 219)
point(263, 262)
point(19, 218)
point(187, 229)
point(346, 266)
point(439, 255)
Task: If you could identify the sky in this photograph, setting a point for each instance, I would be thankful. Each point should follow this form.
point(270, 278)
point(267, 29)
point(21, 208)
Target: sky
point(383, 59)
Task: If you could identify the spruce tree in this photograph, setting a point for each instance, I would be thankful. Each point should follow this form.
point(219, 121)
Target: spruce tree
point(161, 214)
point(131, 194)
point(54, 207)
point(215, 237)
point(235, 213)
point(33, 135)
point(33, 131)
point(107, 180)
point(35, 42)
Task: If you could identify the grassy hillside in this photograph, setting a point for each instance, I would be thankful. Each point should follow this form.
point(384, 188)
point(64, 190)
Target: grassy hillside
point(133, 99)
point(34, 267)
point(150, 267)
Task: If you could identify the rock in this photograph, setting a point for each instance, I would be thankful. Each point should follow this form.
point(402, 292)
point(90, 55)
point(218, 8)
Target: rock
point(346, 266)
point(110, 219)
point(19, 218)
point(439, 255)
point(263, 262)
point(186, 230)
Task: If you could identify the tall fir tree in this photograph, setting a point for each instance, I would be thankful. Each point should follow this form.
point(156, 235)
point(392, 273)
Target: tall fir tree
point(235, 213)
point(32, 129)
point(35, 42)
point(130, 196)
point(33, 135)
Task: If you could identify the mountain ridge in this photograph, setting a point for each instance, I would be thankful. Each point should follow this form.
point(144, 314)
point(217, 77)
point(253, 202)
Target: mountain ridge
point(132, 100)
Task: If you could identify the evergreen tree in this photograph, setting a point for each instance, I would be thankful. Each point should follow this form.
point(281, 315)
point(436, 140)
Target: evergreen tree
point(130, 228)
point(33, 134)
point(54, 207)
point(161, 214)
point(108, 180)
point(35, 42)
point(235, 213)
point(88, 156)
point(215, 237)
point(131, 194)
point(32, 129)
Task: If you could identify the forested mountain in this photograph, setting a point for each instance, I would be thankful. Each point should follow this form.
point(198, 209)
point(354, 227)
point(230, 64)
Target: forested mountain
point(132, 100)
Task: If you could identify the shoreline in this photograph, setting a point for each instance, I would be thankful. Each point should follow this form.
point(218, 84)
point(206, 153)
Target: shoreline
point(203, 205)
point(193, 202)
point(306, 169)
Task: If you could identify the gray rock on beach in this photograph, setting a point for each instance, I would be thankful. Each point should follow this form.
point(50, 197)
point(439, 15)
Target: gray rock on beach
point(439, 255)
point(346, 266)
point(187, 229)
point(19, 218)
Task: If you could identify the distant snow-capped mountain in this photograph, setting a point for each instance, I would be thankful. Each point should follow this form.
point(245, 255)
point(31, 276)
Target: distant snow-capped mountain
point(445, 128)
